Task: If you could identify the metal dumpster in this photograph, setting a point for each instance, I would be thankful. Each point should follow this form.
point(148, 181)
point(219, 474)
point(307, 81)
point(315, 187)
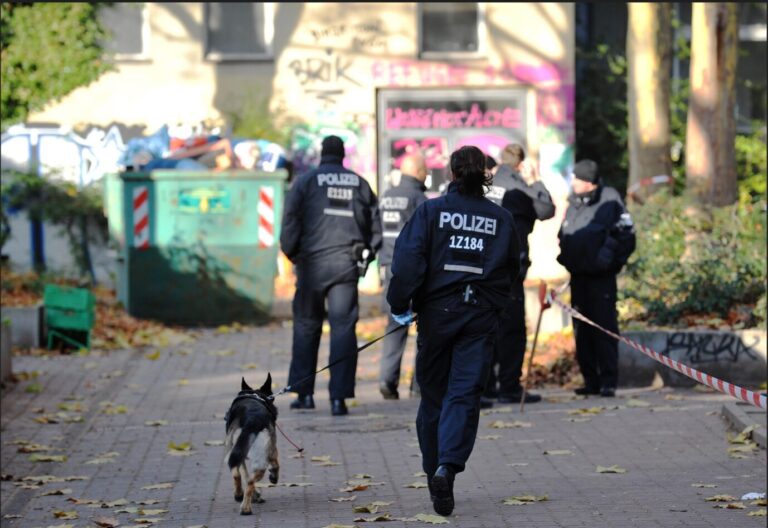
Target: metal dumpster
point(197, 248)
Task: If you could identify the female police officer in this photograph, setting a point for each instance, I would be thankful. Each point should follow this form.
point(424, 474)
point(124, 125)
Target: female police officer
point(454, 263)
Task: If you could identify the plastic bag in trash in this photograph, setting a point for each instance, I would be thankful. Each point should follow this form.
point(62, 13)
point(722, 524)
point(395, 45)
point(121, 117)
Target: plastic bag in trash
point(140, 151)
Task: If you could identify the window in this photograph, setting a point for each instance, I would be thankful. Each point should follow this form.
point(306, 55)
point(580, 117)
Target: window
point(451, 29)
point(238, 31)
point(128, 30)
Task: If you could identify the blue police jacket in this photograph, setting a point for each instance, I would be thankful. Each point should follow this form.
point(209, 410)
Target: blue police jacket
point(449, 242)
point(396, 207)
point(327, 211)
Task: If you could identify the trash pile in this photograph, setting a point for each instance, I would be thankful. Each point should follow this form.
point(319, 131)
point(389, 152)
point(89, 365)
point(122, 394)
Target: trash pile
point(190, 150)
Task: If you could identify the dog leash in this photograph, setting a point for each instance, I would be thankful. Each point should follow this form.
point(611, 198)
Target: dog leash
point(288, 388)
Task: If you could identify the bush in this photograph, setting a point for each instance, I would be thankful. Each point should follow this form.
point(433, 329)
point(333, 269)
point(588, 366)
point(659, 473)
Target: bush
point(693, 264)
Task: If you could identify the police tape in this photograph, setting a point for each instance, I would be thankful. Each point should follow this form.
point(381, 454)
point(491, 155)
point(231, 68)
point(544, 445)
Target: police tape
point(758, 400)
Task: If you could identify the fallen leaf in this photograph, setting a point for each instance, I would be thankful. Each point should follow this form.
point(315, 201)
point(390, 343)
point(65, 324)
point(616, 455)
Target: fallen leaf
point(106, 522)
point(154, 356)
point(34, 448)
point(86, 502)
point(156, 423)
point(64, 491)
point(759, 502)
point(323, 461)
point(731, 506)
point(673, 397)
point(114, 409)
point(588, 411)
point(152, 512)
point(558, 452)
point(343, 499)
point(720, 498)
point(367, 508)
point(147, 501)
point(114, 503)
point(183, 381)
point(431, 519)
point(34, 388)
point(350, 489)
point(384, 517)
point(148, 520)
point(757, 513)
point(489, 437)
point(416, 485)
point(419, 474)
point(362, 476)
point(221, 353)
point(249, 366)
point(70, 515)
point(182, 449)
point(72, 407)
point(610, 469)
point(131, 509)
point(364, 482)
point(296, 484)
point(164, 485)
point(634, 402)
point(47, 458)
point(524, 499)
point(500, 424)
point(577, 420)
point(214, 442)
point(699, 485)
point(12, 516)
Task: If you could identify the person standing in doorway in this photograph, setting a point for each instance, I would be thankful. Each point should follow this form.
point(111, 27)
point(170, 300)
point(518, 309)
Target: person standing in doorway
point(597, 238)
point(453, 264)
point(396, 206)
point(517, 188)
point(331, 231)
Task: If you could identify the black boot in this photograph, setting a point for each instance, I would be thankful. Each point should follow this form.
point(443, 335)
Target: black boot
point(585, 391)
point(338, 408)
point(303, 401)
point(442, 487)
point(388, 390)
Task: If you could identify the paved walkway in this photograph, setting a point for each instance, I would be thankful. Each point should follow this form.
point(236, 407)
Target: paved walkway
point(667, 442)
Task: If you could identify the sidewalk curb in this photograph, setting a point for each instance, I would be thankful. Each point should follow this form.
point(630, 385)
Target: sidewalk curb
point(740, 415)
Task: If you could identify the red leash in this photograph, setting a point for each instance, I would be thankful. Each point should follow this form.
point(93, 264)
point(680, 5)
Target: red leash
point(299, 449)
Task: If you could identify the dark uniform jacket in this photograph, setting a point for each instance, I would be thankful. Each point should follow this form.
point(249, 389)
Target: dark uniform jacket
point(527, 203)
point(327, 211)
point(594, 238)
point(449, 242)
point(396, 206)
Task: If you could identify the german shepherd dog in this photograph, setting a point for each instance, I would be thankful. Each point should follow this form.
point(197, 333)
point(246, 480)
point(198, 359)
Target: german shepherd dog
point(251, 422)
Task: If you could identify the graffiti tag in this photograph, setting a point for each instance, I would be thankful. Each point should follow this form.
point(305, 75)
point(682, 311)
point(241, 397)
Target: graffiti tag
point(710, 347)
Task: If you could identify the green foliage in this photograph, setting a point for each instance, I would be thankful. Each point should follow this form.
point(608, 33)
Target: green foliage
point(255, 121)
point(61, 203)
point(601, 112)
point(751, 164)
point(48, 50)
point(696, 262)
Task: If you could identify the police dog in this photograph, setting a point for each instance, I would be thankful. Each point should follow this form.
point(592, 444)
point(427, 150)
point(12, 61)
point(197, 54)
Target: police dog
point(251, 422)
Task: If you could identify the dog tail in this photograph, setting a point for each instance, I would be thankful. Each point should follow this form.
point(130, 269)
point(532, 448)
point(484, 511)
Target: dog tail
point(240, 450)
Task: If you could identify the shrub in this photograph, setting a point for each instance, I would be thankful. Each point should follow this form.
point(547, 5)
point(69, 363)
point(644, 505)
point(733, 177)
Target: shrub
point(696, 263)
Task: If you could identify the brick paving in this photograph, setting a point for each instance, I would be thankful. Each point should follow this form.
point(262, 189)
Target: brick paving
point(679, 439)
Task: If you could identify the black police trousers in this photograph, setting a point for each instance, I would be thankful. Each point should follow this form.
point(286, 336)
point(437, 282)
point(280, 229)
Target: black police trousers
point(394, 343)
point(596, 352)
point(509, 352)
point(316, 282)
point(455, 348)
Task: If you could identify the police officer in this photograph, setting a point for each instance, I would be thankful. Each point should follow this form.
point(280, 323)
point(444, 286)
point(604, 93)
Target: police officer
point(331, 231)
point(517, 188)
point(453, 264)
point(396, 206)
point(596, 239)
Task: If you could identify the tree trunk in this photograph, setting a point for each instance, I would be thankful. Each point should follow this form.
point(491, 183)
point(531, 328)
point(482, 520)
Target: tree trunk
point(710, 161)
point(649, 61)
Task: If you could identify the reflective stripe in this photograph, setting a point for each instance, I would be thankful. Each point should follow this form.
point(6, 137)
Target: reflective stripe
point(459, 267)
point(391, 234)
point(337, 212)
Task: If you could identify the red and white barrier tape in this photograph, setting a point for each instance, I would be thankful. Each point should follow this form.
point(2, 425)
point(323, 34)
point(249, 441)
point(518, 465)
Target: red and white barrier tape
point(758, 400)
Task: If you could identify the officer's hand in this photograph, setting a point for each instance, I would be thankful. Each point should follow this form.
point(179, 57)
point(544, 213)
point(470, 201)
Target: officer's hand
point(404, 319)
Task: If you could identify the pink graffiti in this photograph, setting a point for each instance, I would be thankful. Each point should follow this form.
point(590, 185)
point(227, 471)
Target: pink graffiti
point(490, 144)
point(432, 118)
point(406, 72)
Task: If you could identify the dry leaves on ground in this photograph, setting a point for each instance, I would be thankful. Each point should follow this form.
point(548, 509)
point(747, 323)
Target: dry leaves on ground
point(343, 499)
point(521, 500)
point(700, 485)
point(47, 458)
point(63, 491)
point(70, 515)
point(587, 411)
point(500, 424)
point(743, 437)
point(731, 506)
point(164, 485)
point(323, 461)
point(416, 485)
point(431, 519)
point(182, 449)
point(757, 513)
point(720, 498)
point(634, 402)
point(104, 458)
point(558, 452)
point(106, 522)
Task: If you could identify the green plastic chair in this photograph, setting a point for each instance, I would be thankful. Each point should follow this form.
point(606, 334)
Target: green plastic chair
point(69, 309)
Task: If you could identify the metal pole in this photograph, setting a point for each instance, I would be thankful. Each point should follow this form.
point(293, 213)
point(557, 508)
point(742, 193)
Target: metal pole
point(543, 306)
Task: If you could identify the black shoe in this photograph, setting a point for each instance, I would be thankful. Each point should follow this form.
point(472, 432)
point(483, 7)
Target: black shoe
point(442, 487)
point(389, 391)
point(515, 397)
point(485, 403)
point(607, 392)
point(303, 401)
point(585, 391)
point(338, 408)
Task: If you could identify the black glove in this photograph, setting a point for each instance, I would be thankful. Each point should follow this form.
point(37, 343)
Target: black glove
point(606, 254)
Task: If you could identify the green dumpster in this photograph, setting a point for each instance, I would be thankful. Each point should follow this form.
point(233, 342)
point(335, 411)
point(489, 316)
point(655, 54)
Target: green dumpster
point(199, 248)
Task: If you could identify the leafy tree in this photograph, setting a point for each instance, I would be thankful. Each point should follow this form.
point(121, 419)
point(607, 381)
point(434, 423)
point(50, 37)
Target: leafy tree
point(48, 49)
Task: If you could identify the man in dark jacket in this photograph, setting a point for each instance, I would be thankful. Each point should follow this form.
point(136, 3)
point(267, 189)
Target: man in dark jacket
point(396, 206)
point(331, 231)
point(596, 239)
point(517, 188)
